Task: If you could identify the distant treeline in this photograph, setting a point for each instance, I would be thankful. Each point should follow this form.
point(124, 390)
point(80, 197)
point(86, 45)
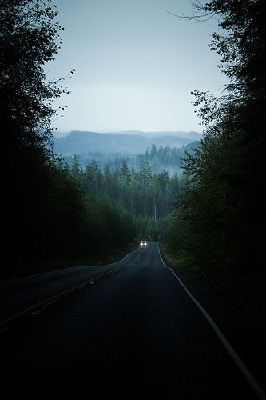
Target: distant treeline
point(160, 158)
point(77, 142)
point(141, 193)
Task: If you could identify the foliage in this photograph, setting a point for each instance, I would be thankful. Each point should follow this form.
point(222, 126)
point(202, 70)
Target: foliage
point(49, 219)
point(223, 205)
point(29, 38)
point(141, 193)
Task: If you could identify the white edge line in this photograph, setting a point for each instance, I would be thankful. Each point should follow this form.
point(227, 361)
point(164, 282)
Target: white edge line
point(239, 363)
point(123, 259)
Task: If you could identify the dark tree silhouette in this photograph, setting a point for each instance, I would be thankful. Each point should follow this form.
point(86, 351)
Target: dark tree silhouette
point(224, 201)
point(29, 38)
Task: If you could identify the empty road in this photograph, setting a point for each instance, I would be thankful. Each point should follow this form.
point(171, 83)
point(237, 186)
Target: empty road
point(126, 330)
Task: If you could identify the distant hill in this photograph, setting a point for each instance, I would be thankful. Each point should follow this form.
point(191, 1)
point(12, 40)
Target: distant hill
point(128, 142)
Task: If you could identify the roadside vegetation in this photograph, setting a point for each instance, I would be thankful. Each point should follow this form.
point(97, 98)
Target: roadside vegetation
point(217, 231)
point(49, 219)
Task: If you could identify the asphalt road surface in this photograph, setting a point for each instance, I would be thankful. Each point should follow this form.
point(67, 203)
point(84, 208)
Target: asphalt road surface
point(126, 330)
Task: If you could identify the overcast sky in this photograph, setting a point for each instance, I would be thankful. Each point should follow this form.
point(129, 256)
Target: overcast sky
point(135, 65)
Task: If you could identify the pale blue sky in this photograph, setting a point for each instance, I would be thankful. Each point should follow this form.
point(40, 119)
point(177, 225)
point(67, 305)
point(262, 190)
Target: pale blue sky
point(135, 65)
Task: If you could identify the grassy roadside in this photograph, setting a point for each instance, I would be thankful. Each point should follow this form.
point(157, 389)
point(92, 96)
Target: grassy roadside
point(244, 295)
point(236, 302)
point(116, 255)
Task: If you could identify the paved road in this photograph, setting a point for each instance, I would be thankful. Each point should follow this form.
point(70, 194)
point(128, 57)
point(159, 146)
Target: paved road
point(127, 330)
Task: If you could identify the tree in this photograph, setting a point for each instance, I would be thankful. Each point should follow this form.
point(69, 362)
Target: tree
point(29, 38)
point(223, 202)
point(53, 212)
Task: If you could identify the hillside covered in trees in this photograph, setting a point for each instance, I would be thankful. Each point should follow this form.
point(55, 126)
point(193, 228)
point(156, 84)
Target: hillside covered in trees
point(146, 197)
point(161, 158)
point(131, 142)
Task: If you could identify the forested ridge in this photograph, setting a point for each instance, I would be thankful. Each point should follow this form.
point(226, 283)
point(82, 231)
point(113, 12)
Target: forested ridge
point(131, 142)
point(159, 158)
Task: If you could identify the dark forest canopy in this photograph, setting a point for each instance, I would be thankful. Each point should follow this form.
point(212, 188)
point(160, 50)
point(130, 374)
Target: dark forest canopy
point(141, 193)
point(49, 219)
point(224, 200)
point(29, 38)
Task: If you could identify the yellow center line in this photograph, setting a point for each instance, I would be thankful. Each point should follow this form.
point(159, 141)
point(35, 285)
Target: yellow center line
point(49, 300)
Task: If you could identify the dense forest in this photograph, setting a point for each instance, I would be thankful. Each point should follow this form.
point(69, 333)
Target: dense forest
point(219, 221)
point(145, 196)
point(141, 193)
point(49, 219)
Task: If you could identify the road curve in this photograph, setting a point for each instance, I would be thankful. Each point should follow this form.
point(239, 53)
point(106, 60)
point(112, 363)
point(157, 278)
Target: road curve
point(127, 330)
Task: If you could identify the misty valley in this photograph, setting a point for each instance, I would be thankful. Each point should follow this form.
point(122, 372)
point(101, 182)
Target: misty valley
point(144, 186)
point(162, 151)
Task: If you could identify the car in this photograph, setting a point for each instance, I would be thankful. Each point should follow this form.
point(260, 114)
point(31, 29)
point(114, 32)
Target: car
point(143, 243)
